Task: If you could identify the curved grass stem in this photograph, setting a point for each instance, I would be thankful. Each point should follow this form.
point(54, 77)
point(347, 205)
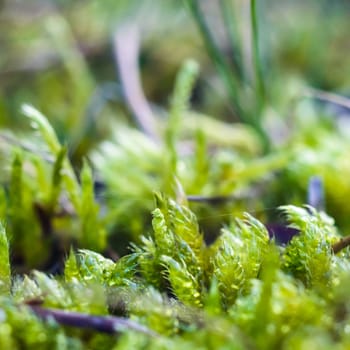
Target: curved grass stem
point(217, 57)
point(259, 80)
point(227, 13)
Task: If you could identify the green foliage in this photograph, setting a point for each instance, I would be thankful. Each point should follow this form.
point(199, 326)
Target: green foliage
point(199, 276)
point(250, 293)
point(181, 96)
point(239, 253)
point(274, 310)
point(48, 198)
point(179, 104)
point(129, 196)
point(192, 150)
point(156, 311)
point(177, 252)
point(240, 291)
point(92, 267)
point(232, 72)
point(308, 256)
point(184, 285)
point(324, 153)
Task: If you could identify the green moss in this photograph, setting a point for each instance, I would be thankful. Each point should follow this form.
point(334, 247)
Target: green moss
point(146, 243)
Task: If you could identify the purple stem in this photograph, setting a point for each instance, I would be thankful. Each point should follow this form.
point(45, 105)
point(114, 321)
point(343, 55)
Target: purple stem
point(315, 193)
point(126, 53)
point(105, 324)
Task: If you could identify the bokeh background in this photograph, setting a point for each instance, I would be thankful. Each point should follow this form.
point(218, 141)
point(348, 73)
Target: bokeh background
point(57, 55)
point(70, 60)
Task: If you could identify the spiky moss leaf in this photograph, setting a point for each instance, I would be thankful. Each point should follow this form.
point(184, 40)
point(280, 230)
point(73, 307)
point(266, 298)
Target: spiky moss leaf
point(86, 283)
point(184, 225)
point(5, 270)
point(71, 269)
point(88, 266)
point(229, 273)
point(123, 272)
point(237, 257)
point(309, 255)
point(184, 253)
point(178, 223)
point(176, 236)
point(184, 285)
point(308, 218)
point(253, 229)
point(163, 237)
point(93, 266)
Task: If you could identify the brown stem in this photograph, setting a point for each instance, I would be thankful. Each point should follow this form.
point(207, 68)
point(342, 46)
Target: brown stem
point(340, 245)
point(105, 324)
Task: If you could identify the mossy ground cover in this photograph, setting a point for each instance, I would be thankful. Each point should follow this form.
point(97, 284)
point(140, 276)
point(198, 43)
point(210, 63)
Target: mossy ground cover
point(216, 217)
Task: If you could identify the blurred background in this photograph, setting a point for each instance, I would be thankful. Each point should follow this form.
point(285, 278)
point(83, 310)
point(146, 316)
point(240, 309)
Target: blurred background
point(58, 55)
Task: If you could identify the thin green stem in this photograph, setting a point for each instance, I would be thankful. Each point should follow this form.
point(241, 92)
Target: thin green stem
point(227, 12)
point(231, 80)
point(215, 54)
point(259, 80)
